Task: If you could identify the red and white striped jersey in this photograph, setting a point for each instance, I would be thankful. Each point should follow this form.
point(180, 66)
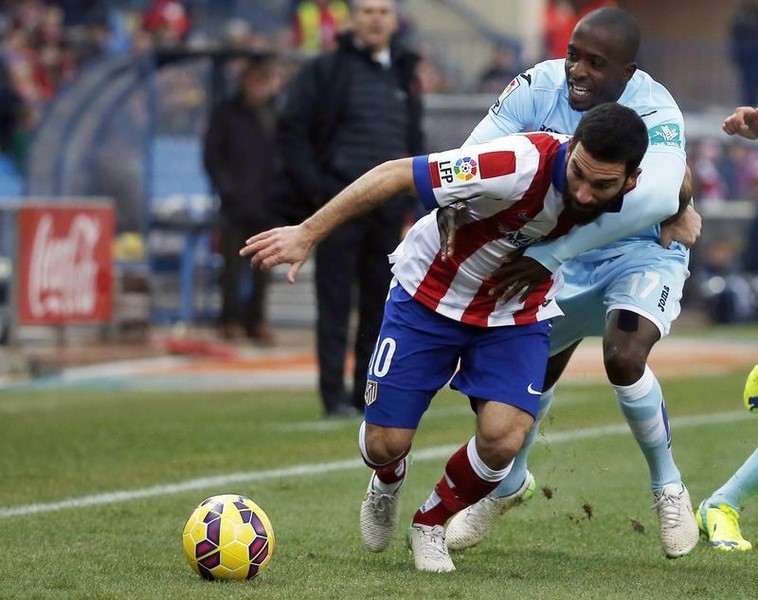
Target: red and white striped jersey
point(513, 190)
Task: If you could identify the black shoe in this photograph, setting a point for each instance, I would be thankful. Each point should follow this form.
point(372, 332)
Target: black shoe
point(261, 334)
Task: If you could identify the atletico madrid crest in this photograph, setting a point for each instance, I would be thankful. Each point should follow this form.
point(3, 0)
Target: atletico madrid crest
point(370, 394)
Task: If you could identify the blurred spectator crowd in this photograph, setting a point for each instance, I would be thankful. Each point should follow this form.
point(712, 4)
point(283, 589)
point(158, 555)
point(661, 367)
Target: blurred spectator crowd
point(723, 170)
point(45, 43)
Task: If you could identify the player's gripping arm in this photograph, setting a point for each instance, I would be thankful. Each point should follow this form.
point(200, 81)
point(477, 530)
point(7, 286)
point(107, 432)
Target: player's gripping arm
point(685, 226)
point(521, 274)
point(655, 199)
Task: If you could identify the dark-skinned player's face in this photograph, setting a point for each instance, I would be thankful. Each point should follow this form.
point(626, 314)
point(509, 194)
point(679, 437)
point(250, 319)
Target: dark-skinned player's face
point(596, 67)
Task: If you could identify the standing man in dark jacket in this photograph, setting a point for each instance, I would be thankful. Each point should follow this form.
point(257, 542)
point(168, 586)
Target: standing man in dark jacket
point(346, 112)
point(239, 155)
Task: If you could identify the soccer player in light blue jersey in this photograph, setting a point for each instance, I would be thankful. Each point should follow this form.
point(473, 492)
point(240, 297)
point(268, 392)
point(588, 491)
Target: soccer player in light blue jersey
point(718, 515)
point(627, 291)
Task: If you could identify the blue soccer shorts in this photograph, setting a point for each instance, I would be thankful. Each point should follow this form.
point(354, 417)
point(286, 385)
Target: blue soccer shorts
point(647, 280)
point(418, 352)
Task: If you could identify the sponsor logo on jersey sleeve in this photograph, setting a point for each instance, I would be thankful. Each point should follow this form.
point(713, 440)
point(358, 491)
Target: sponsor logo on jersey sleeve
point(506, 92)
point(465, 168)
point(509, 88)
point(668, 134)
point(487, 165)
point(439, 172)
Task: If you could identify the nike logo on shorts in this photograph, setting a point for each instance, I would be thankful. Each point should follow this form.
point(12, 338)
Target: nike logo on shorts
point(532, 391)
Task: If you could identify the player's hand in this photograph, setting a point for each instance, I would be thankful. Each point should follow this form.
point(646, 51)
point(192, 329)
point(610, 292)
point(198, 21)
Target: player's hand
point(449, 219)
point(289, 245)
point(516, 274)
point(744, 122)
point(685, 229)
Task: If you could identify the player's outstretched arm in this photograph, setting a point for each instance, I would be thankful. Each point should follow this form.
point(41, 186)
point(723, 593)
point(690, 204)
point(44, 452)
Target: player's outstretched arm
point(293, 245)
point(283, 245)
point(743, 121)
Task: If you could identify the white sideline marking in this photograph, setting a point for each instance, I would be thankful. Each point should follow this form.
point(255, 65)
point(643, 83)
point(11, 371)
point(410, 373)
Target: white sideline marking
point(432, 453)
point(335, 424)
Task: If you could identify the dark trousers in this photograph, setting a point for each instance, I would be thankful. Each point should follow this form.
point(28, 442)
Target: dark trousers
point(749, 84)
point(352, 256)
point(243, 290)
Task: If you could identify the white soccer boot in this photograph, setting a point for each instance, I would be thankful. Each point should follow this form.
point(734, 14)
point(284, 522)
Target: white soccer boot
point(471, 525)
point(379, 517)
point(429, 549)
point(678, 529)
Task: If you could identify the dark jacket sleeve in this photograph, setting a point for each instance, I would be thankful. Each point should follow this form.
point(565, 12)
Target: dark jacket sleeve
point(412, 84)
point(302, 131)
point(214, 152)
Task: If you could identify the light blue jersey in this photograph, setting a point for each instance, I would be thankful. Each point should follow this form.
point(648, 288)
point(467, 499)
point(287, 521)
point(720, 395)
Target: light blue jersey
point(632, 271)
point(537, 100)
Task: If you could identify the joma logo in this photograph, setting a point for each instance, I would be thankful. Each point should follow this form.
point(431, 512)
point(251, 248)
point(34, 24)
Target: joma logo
point(663, 298)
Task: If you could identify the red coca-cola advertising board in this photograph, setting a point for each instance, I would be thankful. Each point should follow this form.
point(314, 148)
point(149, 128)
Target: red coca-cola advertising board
point(65, 264)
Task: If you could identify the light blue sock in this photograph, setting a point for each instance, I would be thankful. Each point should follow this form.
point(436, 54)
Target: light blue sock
point(645, 411)
point(740, 486)
point(515, 478)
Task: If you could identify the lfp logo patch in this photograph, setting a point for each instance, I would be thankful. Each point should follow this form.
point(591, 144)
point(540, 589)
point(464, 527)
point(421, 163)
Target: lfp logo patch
point(465, 168)
point(668, 134)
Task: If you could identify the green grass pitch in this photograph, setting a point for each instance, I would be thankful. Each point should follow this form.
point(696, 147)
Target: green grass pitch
point(96, 488)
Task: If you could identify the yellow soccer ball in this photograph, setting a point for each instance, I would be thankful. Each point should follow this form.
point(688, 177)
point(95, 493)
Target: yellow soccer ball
point(228, 537)
point(751, 391)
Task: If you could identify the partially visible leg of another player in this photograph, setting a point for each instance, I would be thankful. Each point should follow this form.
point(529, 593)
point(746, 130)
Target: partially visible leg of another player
point(718, 515)
point(628, 336)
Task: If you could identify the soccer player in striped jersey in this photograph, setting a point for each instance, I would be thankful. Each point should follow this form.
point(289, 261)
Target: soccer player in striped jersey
point(440, 320)
point(627, 291)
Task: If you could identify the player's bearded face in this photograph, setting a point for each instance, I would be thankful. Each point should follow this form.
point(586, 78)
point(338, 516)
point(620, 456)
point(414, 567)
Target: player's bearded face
point(581, 214)
point(592, 186)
